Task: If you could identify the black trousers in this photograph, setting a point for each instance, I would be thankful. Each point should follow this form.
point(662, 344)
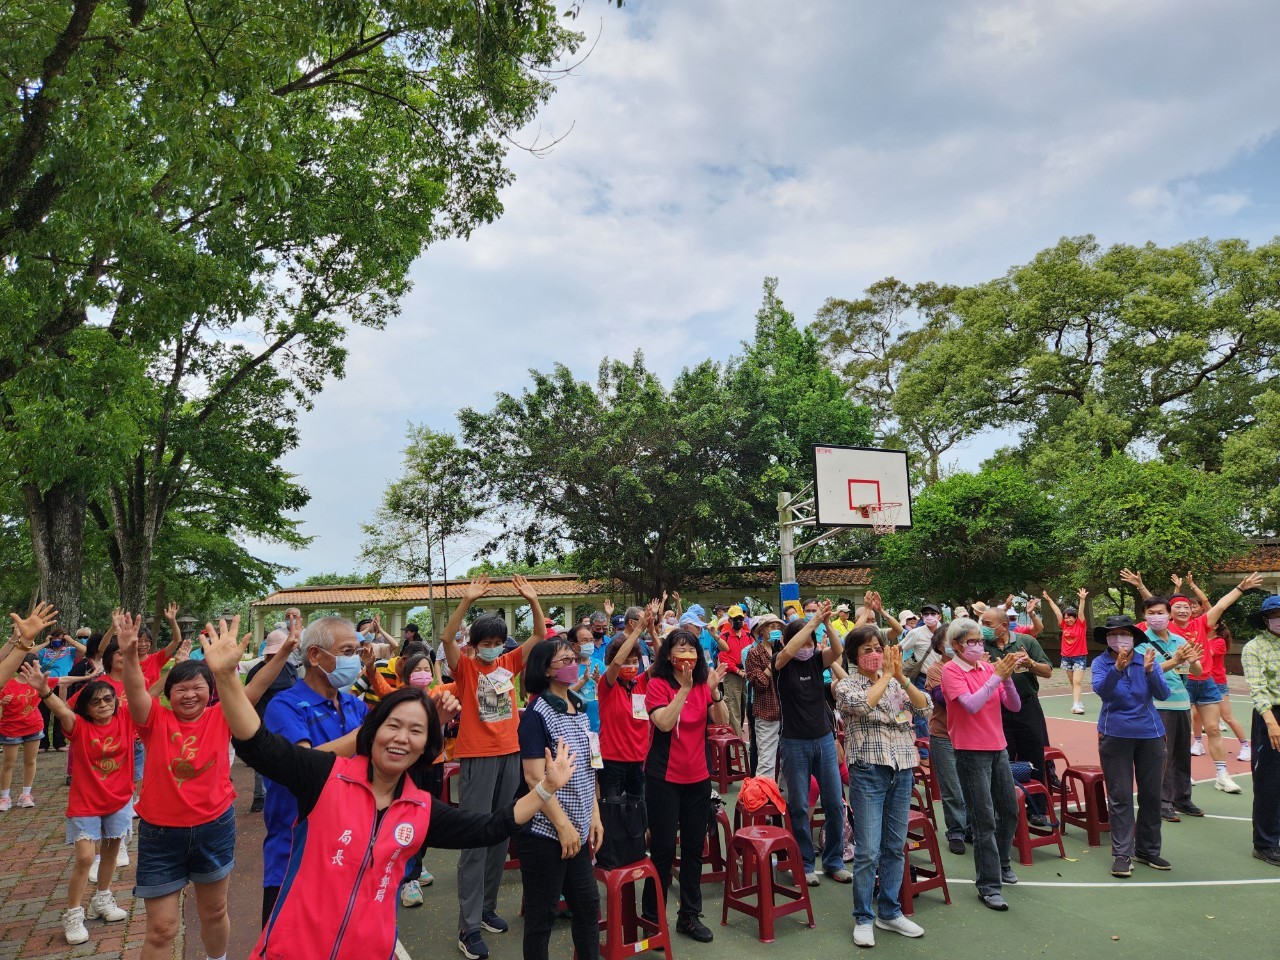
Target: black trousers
point(1176, 792)
point(620, 777)
point(1024, 734)
point(59, 738)
point(1266, 785)
point(686, 806)
point(546, 876)
point(1126, 760)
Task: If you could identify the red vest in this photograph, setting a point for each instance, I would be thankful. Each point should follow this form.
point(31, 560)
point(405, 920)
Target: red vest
point(339, 898)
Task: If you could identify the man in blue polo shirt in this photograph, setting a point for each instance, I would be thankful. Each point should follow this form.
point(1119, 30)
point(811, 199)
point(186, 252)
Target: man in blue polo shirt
point(317, 710)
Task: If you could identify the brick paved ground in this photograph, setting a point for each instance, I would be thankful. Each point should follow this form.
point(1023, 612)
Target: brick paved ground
point(35, 863)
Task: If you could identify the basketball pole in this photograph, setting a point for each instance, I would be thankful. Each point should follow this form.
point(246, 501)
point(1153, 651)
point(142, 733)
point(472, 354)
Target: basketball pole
point(794, 513)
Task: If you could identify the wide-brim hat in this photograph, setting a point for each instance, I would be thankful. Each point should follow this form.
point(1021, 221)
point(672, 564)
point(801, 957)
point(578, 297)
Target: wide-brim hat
point(765, 619)
point(1269, 605)
point(1118, 623)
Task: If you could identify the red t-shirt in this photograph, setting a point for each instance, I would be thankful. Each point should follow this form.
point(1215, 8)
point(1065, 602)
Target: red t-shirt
point(622, 737)
point(101, 765)
point(20, 717)
point(152, 664)
point(1197, 631)
point(187, 777)
point(737, 642)
point(1074, 643)
point(1218, 647)
point(679, 756)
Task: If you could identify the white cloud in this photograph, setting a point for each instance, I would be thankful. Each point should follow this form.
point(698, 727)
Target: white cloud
point(829, 144)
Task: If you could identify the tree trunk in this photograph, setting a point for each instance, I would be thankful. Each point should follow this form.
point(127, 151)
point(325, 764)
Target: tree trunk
point(57, 520)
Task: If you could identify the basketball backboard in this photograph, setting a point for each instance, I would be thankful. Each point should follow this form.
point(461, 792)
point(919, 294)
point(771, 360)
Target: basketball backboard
point(848, 479)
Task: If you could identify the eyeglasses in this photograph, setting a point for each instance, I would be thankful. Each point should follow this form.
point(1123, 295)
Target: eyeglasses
point(101, 700)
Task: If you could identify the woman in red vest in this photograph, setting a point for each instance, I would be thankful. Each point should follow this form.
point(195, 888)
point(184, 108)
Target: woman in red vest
point(360, 818)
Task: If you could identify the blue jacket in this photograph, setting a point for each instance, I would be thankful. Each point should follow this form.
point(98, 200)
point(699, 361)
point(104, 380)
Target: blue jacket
point(1128, 708)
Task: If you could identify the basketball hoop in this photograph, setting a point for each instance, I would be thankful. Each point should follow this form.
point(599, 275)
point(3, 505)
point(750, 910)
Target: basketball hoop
point(883, 516)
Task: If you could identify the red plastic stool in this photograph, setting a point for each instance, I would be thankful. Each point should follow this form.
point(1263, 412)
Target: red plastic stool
point(1029, 836)
point(750, 874)
point(922, 798)
point(625, 931)
point(451, 770)
point(1053, 754)
point(720, 730)
point(922, 836)
point(926, 765)
point(766, 816)
point(1086, 786)
point(729, 761)
point(513, 858)
point(714, 847)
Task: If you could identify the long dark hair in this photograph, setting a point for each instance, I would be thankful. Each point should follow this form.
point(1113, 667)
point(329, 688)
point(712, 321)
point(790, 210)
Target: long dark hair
point(938, 643)
point(536, 681)
point(662, 659)
point(87, 693)
point(109, 654)
point(378, 716)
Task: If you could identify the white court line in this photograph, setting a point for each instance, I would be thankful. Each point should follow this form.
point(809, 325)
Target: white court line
point(1242, 773)
point(1218, 816)
point(401, 952)
point(1130, 883)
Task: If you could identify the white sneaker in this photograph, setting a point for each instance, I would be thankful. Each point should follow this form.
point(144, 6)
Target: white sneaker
point(864, 935)
point(122, 856)
point(73, 925)
point(1226, 784)
point(812, 879)
point(1246, 752)
point(1197, 748)
point(93, 870)
point(902, 925)
point(102, 906)
point(1077, 707)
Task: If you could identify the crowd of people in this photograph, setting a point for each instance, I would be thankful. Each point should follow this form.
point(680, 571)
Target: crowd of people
point(578, 741)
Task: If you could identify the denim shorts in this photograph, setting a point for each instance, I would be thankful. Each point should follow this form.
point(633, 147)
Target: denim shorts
point(171, 857)
point(1204, 691)
point(14, 741)
point(113, 826)
point(1224, 690)
point(1073, 663)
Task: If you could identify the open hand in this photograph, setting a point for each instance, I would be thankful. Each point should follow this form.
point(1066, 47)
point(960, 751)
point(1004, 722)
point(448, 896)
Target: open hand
point(1149, 659)
point(1134, 579)
point(715, 677)
point(609, 607)
point(1005, 666)
point(41, 617)
point(126, 625)
point(476, 589)
point(524, 588)
point(1176, 581)
point(1250, 582)
point(1125, 657)
point(184, 651)
point(561, 767)
point(31, 675)
point(1083, 594)
point(171, 611)
point(221, 651)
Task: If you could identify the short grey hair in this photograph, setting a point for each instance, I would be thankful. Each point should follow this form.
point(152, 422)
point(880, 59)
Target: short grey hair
point(634, 613)
point(960, 628)
point(322, 633)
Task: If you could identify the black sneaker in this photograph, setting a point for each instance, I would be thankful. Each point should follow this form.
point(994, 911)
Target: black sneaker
point(472, 946)
point(1121, 867)
point(1007, 876)
point(257, 805)
point(1170, 816)
point(1271, 855)
point(1154, 861)
point(493, 923)
point(955, 845)
point(695, 929)
point(1190, 809)
point(1039, 820)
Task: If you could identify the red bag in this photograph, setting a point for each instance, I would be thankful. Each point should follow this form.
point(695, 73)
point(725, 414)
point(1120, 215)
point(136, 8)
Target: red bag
point(755, 792)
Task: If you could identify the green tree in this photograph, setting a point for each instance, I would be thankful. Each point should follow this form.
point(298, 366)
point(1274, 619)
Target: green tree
point(973, 536)
point(1251, 461)
point(1159, 518)
point(433, 502)
point(280, 161)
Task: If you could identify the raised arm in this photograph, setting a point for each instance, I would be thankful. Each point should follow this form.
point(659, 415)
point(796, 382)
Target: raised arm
point(75, 642)
point(175, 631)
point(835, 649)
point(795, 643)
point(263, 679)
point(1037, 625)
point(629, 642)
point(25, 631)
point(525, 589)
point(473, 592)
point(1057, 613)
point(1134, 579)
point(1231, 596)
point(135, 684)
point(32, 675)
point(223, 654)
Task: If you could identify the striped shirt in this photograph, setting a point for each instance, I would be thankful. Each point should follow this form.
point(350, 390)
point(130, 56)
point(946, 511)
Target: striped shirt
point(1260, 660)
point(541, 728)
point(882, 735)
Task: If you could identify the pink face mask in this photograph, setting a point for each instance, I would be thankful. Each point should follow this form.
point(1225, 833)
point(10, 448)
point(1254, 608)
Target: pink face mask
point(1158, 621)
point(567, 674)
point(420, 679)
point(973, 652)
point(804, 653)
point(931, 620)
point(871, 662)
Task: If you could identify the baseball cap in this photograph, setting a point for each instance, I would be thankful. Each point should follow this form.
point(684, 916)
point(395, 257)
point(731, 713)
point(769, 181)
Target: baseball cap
point(694, 617)
point(736, 611)
point(842, 608)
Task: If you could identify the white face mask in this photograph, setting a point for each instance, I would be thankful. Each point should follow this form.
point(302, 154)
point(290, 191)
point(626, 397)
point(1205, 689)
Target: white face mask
point(1273, 624)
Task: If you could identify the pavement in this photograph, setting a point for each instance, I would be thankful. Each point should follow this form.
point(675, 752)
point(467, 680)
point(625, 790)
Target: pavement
point(1062, 907)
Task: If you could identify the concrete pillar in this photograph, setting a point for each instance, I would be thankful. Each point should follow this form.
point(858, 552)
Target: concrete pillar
point(396, 626)
point(259, 626)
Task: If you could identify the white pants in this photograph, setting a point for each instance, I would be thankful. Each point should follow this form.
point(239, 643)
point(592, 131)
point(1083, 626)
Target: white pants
point(767, 733)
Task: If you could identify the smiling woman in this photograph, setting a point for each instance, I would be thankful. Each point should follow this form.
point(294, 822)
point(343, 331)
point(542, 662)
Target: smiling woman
point(360, 818)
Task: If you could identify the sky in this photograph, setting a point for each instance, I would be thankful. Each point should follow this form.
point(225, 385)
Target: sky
point(710, 144)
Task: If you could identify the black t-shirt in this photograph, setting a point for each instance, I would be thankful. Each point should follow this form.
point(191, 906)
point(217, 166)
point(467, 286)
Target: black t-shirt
point(800, 691)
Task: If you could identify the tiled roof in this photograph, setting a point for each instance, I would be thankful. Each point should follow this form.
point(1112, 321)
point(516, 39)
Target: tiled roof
point(566, 585)
point(1264, 557)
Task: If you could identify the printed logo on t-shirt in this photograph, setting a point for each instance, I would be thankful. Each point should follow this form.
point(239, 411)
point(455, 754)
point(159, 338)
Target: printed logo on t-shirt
point(404, 833)
point(181, 766)
point(102, 756)
point(494, 706)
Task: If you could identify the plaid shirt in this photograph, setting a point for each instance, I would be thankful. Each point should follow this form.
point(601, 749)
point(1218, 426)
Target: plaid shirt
point(1260, 660)
point(764, 695)
point(883, 734)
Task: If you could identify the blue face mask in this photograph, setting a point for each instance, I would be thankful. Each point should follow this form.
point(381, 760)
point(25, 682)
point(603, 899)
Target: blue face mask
point(488, 654)
point(586, 649)
point(775, 635)
point(988, 633)
point(344, 673)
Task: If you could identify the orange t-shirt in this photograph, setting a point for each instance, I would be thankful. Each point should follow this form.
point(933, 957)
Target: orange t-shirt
point(490, 723)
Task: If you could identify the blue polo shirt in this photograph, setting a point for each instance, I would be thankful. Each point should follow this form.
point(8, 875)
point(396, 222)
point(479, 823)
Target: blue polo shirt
point(297, 714)
point(1178, 698)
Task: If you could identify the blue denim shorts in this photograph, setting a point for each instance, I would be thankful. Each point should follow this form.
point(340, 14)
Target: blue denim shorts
point(171, 857)
point(1224, 689)
point(114, 826)
point(14, 741)
point(1204, 691)
point(1074, 663)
